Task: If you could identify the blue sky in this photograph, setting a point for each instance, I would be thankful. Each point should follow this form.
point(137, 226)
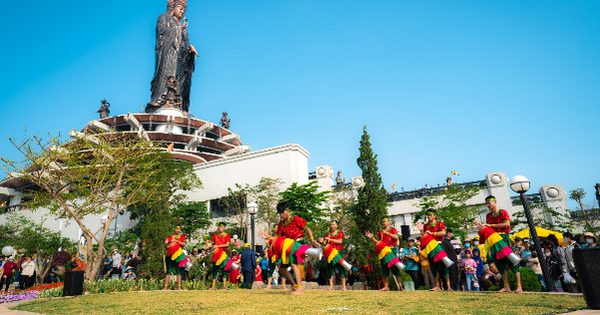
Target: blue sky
point(470, 86)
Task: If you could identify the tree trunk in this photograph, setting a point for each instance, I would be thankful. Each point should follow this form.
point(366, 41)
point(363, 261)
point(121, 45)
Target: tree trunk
point(94, 259)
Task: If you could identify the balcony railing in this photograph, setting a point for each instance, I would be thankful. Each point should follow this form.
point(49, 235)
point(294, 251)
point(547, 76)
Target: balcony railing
point(532, 198)
point(432, 191)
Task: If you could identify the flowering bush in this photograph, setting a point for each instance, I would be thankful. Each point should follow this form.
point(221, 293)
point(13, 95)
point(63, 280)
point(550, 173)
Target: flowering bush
point(61, 257)
point(45, 287)
point(18, 296)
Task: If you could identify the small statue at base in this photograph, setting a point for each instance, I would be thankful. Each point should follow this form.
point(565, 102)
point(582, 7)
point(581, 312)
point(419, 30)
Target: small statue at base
point(225, 121)
point(104, 111)
point(171, 96)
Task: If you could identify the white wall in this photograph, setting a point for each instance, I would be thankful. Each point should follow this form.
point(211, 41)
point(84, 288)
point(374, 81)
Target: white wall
point(288, 162)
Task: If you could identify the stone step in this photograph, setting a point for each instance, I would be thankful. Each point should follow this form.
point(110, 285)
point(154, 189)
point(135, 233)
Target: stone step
point(308, 286)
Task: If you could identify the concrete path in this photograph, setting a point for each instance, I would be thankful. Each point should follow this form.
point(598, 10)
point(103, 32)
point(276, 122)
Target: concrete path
point(4, 309)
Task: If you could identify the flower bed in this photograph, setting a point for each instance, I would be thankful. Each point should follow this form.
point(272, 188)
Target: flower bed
point(18, 296)
point(106, 286)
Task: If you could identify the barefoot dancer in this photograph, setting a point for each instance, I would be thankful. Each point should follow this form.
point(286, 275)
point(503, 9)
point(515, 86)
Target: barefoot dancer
point(220, 242)
point(175, 257)
point(291, 253)
point(499, 221)
point(333, 254)
point(292, 228)
point(437, 230)
point(387, 237)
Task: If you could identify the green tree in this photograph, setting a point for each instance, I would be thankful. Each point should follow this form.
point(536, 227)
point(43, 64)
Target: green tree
point(589, 218)
point(370, 206)
point(236, 203)
point(305, 201)
point(267, 196)
point(191, 216)
point(34, 238)
point(92, 174)
point(545, 217)
point(452, 208)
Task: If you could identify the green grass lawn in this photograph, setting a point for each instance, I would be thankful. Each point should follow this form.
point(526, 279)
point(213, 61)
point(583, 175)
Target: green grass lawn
point(313, 301)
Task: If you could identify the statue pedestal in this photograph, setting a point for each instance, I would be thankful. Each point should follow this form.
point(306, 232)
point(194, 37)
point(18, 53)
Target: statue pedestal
point(170, 127)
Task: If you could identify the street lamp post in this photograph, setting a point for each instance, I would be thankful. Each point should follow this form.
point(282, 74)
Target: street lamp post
point(252, 209)
point(520, 184)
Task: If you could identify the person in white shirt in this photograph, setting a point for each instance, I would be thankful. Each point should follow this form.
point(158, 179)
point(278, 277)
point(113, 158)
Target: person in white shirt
point(116, 262)
point(571, 243)
point(26, 278)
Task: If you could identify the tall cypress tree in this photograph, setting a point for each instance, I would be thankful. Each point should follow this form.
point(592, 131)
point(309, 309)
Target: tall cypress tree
point(371, 205)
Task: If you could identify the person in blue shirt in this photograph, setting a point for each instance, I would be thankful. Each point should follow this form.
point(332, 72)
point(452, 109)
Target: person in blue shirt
point(526, 251)
point(410, 255)
point(479, 271)
point(248, 261)
point(264, 267)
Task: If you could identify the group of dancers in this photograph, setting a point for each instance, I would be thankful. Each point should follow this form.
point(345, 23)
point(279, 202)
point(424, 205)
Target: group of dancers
point(288, 248)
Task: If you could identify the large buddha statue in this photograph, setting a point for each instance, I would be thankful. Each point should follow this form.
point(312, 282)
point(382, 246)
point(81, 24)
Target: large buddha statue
point(175, 60)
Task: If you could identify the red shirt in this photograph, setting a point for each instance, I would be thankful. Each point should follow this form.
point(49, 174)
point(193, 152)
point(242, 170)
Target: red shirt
point(294, 229)
point(221, 240)
point(171, 250)
point(9, 266)
point(502, 217)
point(438, 227)
point(387, 239)
point(338, 236)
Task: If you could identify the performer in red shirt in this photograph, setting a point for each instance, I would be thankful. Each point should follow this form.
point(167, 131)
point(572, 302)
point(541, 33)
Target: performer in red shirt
point(499, 221)
point(389, 236)
point(437, 230)
point(335, 239)
point(292, 228)
point(220, 242)
point(175, 244)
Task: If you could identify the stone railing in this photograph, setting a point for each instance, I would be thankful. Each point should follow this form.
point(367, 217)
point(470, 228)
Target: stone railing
point(532, 198)
point(431, 191)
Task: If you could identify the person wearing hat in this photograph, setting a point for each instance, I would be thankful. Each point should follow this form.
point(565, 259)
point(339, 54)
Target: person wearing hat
point(335, 239)
point(220, 240)
point(116, 260)
point(248, 262)
point(173, 242)
point(589, 239)
point(410, 255)
point(437, 230)
point(389, 236)
point(499, 221)
point(481, 247)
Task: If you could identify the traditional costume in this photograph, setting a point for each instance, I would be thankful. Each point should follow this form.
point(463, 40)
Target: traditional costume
point(387, 249)
point(222, 264)
point(333, 256)
point(176, 259)
point(499, 250)
point(438, 258)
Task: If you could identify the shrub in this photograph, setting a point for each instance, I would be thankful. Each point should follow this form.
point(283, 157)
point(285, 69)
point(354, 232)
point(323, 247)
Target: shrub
point(529, 280)
point(61, 257)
